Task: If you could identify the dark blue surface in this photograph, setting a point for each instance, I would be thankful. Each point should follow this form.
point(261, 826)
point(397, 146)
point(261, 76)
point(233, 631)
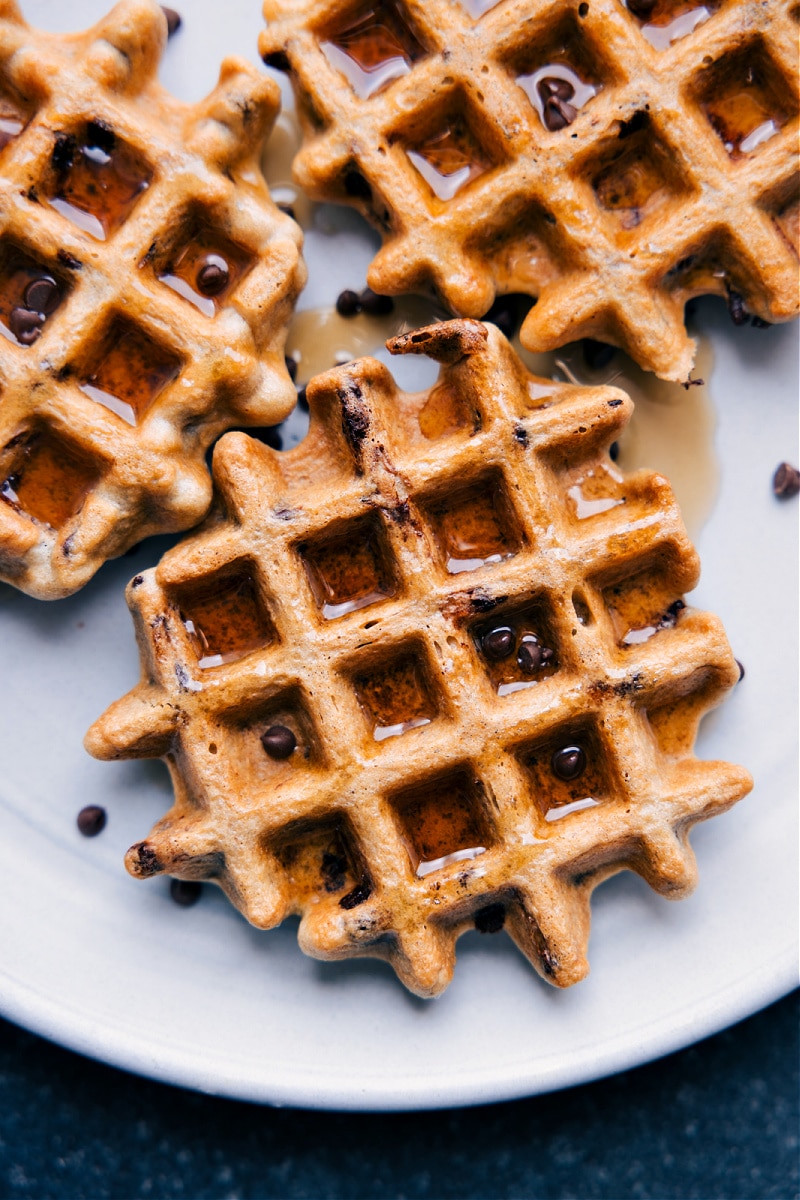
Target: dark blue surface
point(719, 1120)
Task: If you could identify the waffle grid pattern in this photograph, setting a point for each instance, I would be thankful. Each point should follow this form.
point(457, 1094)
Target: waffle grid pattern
point(234, 810)
point(535, 222)
point(150, 476)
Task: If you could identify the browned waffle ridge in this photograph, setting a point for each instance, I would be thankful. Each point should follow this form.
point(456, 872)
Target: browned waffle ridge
point(118, 194)
point(658, 190)
point(344, 590)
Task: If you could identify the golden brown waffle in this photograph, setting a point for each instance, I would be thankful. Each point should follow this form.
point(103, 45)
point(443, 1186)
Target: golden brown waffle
point(377, 670)
point(552, 149)
point(146, 281)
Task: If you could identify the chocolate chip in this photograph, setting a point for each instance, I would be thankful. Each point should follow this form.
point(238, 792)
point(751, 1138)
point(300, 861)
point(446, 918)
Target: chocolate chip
point(597, 355)
point(173, 20)
point(185, 892)
point(213, 276)
point(356, 185)
point(334, 871)
point(760, 323)
point(498, 643)
point(569, 762)
point(91, 820)
point(302, 399)
point(741, 669)
point(532, 656)
point(641, 8)
point(375, 305)
point(490, 919)
point(278, 60)
point(25, 325)
point(551, 85)
point(279, 741)
point(737, 309)
point(291, 367)
point(785, 481)
point(613, 451)
point(288, 210)
point(558, 114)
point(42, 295)
point(361, 892)
point(348, 303)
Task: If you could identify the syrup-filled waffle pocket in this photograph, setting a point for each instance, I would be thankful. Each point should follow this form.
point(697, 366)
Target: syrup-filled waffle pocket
point(431, 670)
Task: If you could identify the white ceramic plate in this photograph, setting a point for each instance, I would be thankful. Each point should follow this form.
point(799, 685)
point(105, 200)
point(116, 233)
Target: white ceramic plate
point(112, 968)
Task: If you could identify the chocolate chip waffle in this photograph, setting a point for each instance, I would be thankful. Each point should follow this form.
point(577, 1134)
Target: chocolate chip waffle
point(610, 162)
point(430, 670)
point(146, 281)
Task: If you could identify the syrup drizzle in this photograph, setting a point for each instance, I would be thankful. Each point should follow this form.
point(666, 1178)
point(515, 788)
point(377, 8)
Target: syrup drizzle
point(374, 51)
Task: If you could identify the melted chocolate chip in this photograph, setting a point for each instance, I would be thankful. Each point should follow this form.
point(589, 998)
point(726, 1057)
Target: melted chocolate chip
point(552, 86)
point(490, 919)
point(185, 892)
point(786, 481)
point(348, 303)
point(213, 276)
point(569, 762)
point(91, 820)
point(42, 295)
point(498, 643)
point(558, 114)
point(613, 451)
point(532, 655)
point(25, 325)
point(278, 60)
point(361, 892)
point(279, 741)
point(334, 872)
point(173, 19)
point(375, 305)
point(736, 308)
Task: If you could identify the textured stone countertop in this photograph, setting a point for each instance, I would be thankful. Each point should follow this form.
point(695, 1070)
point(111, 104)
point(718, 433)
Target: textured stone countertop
point(719, 1120)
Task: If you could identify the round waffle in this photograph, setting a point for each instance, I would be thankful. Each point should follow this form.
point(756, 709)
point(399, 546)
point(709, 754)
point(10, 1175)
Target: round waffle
point(146, 282)
point(430, 670)
point(610, 165)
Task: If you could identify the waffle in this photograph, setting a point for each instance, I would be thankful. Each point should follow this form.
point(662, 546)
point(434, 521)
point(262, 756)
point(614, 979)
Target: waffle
point(430, 670)
point(555, 150)
point(146, 281)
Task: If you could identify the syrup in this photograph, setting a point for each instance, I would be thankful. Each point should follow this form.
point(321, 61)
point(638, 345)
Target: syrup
point(280, 151)
point(10, 128)
point(745, 118)
point(555, 796)
point(49, 481)
point(319, 338)
point(596, 492)
point(477, 8)
point(642, 605)
point(674, 25)
point(474, 527)
point(672, 428)
point(29, 295)
point(205, 271)
point(348, 571)
point(577, 94)
point(130, 374)
point(442, 823)
point(224, 618)
point(633, 186)
point(508, 661)
point(97, 180)
point(450, 159)
point(375, 50)
point(396, 697)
